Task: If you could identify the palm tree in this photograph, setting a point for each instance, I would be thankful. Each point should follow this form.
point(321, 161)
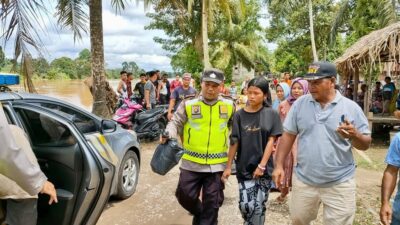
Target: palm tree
point(288, 6)
point(239, 42)
point(363, 16)
point(125, 66)
point(23, 18)
point(208, 9)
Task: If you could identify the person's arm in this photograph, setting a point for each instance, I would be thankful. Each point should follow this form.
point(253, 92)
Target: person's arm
point(388, 185)
point(259, 171)
point(160, 85)
point(234, 140)
point(170, 107)
point(119, 88)
point(147, 98)
point(283, 149)
point(231, 156)
point(175, 126)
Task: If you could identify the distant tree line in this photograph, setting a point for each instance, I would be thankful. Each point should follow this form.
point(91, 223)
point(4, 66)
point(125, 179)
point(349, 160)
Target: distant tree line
point(65, 68)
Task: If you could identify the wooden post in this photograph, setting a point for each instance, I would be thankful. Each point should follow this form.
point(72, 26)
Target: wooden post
point(368, 94)
point(356, 81)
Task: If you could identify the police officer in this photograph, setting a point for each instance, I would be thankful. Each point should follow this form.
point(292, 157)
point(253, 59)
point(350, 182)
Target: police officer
point(202, 123)
point(20, 176)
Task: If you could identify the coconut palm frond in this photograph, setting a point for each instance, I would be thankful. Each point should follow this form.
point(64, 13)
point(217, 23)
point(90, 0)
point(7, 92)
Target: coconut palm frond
point(388, 13)
point(224, 6)
point(338, 21)
point(246, 56)
point(222, 62)
point(74, 15)
point(219, 49)
point(119, 5)
point(190, 6)
point(242, 9)
point(22, 21)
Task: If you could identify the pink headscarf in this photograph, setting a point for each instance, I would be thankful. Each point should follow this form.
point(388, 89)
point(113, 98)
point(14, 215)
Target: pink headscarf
point(303, 83)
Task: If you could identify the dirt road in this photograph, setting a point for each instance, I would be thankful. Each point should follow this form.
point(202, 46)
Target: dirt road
point(154, 202)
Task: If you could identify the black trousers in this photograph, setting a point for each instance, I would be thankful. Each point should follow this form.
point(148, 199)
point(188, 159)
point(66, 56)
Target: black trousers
point(205, 211)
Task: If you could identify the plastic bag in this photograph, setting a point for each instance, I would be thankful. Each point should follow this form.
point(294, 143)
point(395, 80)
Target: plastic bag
point(166, 156)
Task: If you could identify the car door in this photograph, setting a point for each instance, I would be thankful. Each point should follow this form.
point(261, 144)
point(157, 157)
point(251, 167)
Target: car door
point(81, 174)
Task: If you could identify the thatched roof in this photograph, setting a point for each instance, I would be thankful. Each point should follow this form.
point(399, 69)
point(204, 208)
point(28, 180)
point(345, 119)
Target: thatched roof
point(378, 46)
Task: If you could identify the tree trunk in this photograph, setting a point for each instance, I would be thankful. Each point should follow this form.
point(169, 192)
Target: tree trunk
point(198, 45)
point(27, 72)
point(314, 48)
point(97, 49)
point(204, 31)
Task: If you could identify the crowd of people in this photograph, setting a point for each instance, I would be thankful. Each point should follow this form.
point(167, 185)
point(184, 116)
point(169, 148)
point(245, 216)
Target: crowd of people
point(384, 97)
point(153, 89)
point(301, 143)
point(292, 144)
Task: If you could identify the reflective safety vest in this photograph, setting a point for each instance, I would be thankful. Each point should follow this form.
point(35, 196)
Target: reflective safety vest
point(206, 131)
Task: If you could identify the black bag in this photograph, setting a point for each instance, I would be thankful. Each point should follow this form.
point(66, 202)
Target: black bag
point(166, 156)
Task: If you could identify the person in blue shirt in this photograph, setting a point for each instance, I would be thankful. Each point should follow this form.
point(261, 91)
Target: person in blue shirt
point(388, 215)
point(327, 126)
point(387, 92)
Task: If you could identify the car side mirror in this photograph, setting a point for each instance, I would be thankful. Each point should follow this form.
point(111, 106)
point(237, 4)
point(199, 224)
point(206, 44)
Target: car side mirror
point(108, 126)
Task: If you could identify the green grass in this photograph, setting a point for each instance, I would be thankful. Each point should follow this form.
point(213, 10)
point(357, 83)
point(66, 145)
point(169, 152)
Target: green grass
point(376, 154)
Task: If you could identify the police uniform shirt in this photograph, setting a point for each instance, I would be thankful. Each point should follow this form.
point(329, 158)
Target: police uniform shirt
point(175, 129)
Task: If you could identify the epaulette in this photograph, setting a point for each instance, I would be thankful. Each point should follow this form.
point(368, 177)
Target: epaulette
point(190, 96)
point(227, 97)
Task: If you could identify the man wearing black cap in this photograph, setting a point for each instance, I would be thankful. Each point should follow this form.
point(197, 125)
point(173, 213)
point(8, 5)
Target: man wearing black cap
point(203, 124)
point(327, 125)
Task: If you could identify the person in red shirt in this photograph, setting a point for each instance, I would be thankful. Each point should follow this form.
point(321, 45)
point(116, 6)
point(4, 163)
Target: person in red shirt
point(275, 82)
point(175, 83)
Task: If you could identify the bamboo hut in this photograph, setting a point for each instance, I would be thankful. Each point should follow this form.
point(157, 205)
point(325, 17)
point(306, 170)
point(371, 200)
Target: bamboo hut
point(371, 51)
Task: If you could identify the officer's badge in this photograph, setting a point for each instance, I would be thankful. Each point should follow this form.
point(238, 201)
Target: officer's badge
point(223, 111)
point(196, 110)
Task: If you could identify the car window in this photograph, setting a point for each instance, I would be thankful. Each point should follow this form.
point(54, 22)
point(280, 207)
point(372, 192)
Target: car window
point(44, 130)
point(84, 123)
point(7, 115)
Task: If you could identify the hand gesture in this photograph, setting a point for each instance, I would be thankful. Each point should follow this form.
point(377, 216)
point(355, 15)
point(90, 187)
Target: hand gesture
point(48, 188)
point(347, 129)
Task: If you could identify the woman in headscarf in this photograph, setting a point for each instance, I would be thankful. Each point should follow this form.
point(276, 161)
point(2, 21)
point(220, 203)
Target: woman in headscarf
point(299, 87)
point(282, 93)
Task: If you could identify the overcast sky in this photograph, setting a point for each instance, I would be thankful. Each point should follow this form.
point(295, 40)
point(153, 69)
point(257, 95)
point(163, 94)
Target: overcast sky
point(125, 39)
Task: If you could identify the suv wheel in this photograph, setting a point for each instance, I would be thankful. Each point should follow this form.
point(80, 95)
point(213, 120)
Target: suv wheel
point(128, 175)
